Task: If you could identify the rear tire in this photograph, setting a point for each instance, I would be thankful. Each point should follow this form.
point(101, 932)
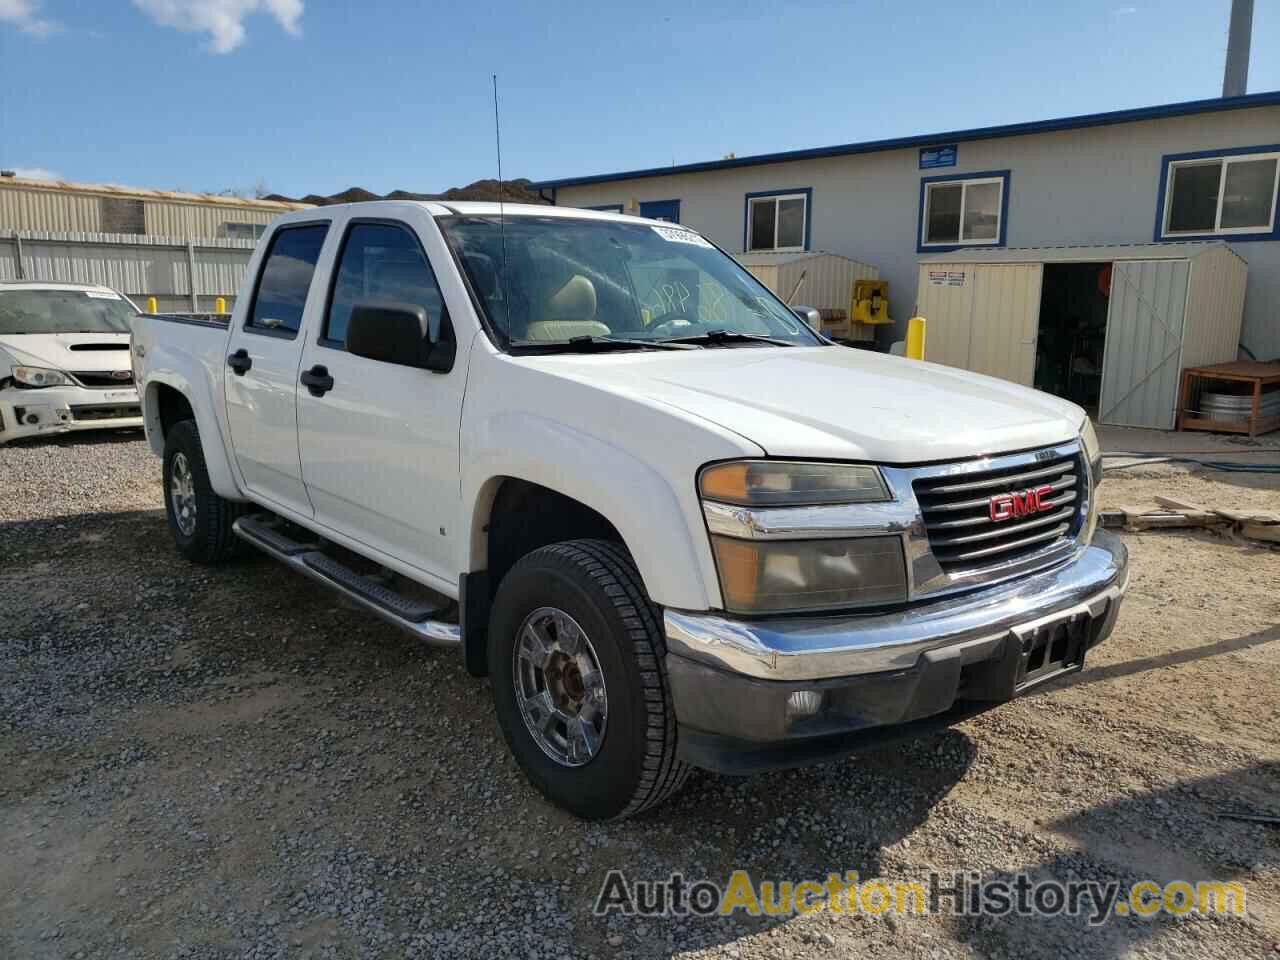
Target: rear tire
point(626, 762)
point(199, 519)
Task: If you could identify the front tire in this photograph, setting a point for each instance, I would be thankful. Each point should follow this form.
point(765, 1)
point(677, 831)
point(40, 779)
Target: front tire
point(199, 519)
point(579, 681)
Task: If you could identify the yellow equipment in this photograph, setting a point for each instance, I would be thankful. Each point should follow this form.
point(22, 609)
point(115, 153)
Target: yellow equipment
point(870, 302)
point(220, 305)
point(915, 338)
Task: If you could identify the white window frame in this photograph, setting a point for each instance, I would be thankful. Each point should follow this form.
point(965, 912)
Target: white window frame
point(964, 183)
point(775, 200)
point(1217, 230)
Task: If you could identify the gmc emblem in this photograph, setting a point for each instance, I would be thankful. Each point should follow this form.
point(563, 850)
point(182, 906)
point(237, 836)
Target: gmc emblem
point(1007, 506)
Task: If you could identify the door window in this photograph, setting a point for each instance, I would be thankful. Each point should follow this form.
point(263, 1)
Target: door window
point(286, 275)
point(382, 263)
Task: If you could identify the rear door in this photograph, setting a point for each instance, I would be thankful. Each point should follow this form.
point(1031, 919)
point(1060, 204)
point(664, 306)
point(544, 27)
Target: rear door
point(261, 372)
point(379, 445)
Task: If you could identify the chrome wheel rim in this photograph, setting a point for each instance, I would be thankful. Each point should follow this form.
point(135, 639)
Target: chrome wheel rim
point(182, 494)
point(559, 687)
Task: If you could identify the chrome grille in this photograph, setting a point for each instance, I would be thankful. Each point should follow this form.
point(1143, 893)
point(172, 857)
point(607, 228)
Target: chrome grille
point(100, 379)
point(958, 513)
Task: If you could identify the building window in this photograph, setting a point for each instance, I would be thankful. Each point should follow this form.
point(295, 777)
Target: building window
point(963, 212)
point(243, 231)
point(778, 220)
point(1228, 193)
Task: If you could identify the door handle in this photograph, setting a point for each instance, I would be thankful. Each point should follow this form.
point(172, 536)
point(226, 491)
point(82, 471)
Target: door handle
point(317, 380)
point(240, 361)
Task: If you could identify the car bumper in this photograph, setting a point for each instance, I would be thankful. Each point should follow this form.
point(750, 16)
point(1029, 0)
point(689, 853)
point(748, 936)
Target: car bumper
point(753, 695)
point(50, 410)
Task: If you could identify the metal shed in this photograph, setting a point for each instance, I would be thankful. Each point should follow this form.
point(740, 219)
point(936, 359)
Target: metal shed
point(828, 280)
point(1170, 306)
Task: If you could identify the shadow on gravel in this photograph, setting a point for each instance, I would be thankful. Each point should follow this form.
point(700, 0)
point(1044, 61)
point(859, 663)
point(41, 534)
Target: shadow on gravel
point(86, 438)
point(1143, 664)
point(1164, 836)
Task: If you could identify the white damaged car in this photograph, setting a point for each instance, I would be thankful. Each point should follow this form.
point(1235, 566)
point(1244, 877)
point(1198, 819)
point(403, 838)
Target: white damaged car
point(64, 359)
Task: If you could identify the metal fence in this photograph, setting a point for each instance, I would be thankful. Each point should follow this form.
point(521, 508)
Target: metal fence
point(183, 275)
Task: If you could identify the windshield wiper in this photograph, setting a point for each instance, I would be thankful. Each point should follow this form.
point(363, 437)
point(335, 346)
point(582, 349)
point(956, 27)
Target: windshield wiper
point(728, 336)
point(591, 344)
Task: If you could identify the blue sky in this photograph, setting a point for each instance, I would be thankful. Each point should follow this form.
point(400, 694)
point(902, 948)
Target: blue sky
point(319, 95)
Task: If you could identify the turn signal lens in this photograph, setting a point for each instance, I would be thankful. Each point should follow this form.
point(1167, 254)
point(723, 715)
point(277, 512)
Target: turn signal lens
point(782, 483)
point(773, 576)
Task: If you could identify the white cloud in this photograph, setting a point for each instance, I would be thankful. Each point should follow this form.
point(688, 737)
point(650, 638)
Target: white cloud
point(25, 15)
point(223, 20)
point(36, 173)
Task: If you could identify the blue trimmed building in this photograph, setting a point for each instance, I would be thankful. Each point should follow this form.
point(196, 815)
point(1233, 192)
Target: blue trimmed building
point(1207, 169)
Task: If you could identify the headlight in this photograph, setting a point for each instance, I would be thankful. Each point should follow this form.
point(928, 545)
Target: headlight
point(40, 377)
point(778, 483)
point(763, 574)
point(772, 576)
point(1092, 450)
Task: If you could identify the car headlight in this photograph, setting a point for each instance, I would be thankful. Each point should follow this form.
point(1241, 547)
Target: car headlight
point(40, 377)
point(1092, 450)
point(775, 575)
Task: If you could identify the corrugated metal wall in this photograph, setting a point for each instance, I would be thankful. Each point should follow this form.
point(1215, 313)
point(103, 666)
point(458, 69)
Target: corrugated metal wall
point(193, 220)
point(140, 267)
point(1140, 364)
point(1006, 320)
point(828, 281)
point(78, 211)
point(1215, 309)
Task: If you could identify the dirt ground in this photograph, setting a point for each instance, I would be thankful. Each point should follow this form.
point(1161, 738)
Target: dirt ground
point(226, 762)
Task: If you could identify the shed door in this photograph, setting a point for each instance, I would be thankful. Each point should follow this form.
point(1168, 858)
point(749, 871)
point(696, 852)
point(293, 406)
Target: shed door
point(1141, 359)
point(1006, 320)
point(944, 297)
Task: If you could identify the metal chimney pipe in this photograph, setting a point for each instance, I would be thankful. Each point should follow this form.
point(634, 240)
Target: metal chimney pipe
point(1235, 77)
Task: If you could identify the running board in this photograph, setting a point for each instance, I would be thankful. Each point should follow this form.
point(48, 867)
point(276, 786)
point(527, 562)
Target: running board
point(408, 614)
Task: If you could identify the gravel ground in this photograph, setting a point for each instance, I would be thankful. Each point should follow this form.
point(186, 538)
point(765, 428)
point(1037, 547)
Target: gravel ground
point(226, 762)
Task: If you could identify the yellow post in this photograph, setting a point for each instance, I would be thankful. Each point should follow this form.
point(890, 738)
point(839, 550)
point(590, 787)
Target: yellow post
point(152, 306)
point(915, 338)
point(220, 305)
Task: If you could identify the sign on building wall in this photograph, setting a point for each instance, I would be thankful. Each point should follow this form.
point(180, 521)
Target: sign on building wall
point(946, 278)
point(931, 157)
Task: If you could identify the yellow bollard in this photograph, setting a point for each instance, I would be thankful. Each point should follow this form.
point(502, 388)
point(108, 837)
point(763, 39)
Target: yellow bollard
point(152, 305)
point(915, 338)
point(220, 305)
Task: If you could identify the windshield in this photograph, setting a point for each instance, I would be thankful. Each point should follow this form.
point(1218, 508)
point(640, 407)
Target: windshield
point(64, 311)
point(568, 278)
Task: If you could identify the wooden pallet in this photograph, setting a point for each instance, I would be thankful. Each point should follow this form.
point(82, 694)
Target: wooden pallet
point(1183, 515)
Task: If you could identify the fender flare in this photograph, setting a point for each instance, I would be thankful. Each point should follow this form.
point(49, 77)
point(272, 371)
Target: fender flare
point(629, 493)
point(221, 473)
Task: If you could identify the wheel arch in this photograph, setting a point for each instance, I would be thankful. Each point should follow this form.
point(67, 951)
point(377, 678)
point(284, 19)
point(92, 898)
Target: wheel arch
point(167, 400)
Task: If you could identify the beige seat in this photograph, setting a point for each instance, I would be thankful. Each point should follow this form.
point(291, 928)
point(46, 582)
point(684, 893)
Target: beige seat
point(569, 312)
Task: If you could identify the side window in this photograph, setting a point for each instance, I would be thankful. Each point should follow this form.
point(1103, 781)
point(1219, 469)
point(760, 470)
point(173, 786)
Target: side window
point(382, 263)
point(285, 278)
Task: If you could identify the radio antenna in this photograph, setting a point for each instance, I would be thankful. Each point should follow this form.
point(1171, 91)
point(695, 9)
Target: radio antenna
point(502, 223)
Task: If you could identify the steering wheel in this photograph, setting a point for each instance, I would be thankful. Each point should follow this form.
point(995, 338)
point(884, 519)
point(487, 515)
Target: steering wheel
point(670, 321)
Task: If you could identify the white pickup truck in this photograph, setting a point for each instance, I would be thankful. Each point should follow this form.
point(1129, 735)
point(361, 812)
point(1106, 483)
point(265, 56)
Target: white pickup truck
point(673, 525)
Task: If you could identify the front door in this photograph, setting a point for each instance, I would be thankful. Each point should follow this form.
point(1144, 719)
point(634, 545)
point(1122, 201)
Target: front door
point(380, 447)
point(261, 373)
point(668, 210)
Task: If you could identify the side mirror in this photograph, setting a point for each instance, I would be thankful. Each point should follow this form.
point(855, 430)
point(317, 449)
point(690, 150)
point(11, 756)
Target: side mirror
point(397, 333)
point(809, 315)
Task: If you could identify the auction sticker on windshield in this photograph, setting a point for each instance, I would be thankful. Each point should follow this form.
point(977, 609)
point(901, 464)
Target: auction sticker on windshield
point(681, 236)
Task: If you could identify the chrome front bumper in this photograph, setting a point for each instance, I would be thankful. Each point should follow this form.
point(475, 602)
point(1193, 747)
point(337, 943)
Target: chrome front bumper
point(755, 695)
point(818, 648)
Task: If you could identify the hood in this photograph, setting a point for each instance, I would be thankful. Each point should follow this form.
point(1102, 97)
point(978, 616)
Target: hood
point(87, 352)
point(837, 403)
